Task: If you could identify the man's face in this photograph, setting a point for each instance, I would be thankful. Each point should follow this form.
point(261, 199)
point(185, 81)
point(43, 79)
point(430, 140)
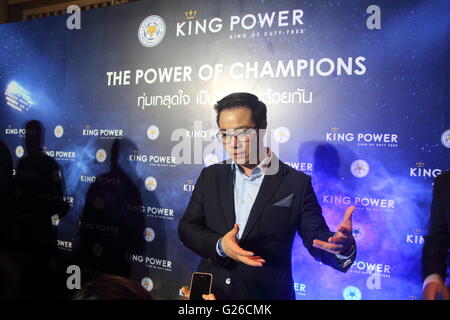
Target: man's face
point(243, 147)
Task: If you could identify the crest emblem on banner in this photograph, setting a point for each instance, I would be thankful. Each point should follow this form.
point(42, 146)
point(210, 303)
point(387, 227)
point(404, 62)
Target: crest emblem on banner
point(153, 132)
point(282, 134)
point(359, 168)
point(352, 293)
point(147, 284)
point(59, 131)
point(151, 31)
point(150, 183)
point(149, 234)
point(55, 220)
point(19, 152)
point(357, 232)
point(100, 155)
point(445, 138)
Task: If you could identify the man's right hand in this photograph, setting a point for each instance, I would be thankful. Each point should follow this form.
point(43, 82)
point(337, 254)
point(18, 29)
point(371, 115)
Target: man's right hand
point(232, 249)
point(436, 290)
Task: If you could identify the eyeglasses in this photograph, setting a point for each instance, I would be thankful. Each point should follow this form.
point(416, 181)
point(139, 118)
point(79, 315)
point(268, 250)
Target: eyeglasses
point(242, 135)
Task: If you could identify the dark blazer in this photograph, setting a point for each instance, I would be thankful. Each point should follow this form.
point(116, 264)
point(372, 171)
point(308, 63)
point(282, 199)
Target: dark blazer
point(437, 241)
point(269, 232)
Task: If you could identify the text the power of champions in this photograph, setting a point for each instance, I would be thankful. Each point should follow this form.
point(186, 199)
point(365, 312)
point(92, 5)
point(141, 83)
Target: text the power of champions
point(323, 67)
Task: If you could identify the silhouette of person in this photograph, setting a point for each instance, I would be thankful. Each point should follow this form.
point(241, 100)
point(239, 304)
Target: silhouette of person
point(5, 191)
point(39, 200)
point(9, 271)
point(326, 161)
point(107, 229)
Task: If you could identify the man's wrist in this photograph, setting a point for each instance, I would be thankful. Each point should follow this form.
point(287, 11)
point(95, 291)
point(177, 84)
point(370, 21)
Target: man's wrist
point(219, 248)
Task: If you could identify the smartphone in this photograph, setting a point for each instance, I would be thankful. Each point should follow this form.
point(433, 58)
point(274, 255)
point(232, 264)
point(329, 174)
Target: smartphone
point(201, 283)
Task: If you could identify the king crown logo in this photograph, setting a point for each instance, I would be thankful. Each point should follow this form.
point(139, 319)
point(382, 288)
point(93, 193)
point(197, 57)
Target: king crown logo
point(191, 14)
point(335, 129)
point(416, 231)
point(420, 164)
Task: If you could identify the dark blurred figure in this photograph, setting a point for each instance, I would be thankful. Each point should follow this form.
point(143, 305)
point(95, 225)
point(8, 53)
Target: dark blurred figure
point(326, 170)
point(5, 193)
point(10, 277)
point(9, 270)
point(38, 198)
point(108, 230)
point(437, 242)
point(326, 162)
point(112, 287)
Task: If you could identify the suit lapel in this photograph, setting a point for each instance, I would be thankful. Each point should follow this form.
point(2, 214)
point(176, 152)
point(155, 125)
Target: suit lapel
point(268, 187)
point(227, 191)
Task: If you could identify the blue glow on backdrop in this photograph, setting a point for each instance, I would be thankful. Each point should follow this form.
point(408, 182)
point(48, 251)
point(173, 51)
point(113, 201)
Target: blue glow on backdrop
point(17, 97)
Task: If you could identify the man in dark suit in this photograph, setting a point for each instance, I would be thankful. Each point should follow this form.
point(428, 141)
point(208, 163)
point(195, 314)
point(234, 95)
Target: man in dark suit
point(244, 212)
point(437, 242)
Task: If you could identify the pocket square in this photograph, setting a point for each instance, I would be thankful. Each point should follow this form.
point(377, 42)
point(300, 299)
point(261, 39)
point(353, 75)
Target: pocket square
point(285, 202)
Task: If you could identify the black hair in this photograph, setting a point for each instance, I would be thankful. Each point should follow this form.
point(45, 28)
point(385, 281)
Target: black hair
point(112, 287)
point(247, 100)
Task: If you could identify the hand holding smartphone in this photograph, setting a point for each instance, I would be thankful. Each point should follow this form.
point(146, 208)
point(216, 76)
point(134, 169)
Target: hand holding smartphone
point(201, 283)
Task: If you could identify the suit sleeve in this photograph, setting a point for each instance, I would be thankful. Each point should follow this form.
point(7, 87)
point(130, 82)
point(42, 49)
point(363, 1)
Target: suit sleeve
point(192, 230)
point(312, 226)
point(435, 249)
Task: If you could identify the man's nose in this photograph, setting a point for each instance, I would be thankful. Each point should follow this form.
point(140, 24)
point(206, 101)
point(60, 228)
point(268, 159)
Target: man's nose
point(234, 142)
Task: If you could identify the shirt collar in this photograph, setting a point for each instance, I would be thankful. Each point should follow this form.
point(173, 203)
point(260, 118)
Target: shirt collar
point(261, 168)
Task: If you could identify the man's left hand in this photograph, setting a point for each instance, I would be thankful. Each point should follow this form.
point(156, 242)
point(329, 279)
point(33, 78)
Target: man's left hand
point(342, 242)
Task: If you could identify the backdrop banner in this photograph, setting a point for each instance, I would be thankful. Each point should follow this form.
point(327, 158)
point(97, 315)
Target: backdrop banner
point(357, 95)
